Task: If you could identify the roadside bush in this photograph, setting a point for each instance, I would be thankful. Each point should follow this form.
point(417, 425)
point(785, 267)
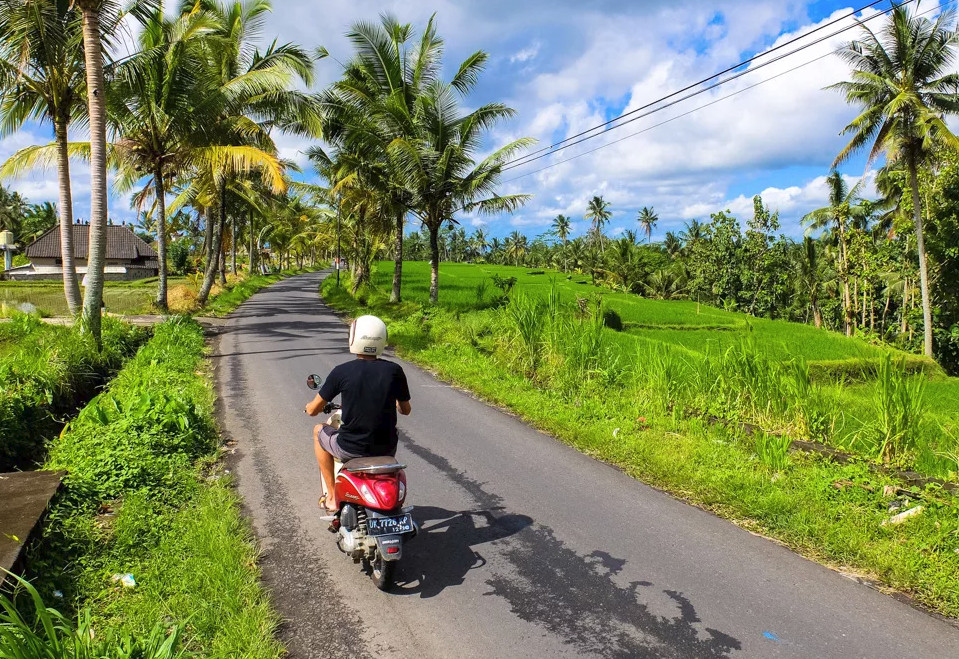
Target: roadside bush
point(148, 427)
point(143, 495)
point(46, 372)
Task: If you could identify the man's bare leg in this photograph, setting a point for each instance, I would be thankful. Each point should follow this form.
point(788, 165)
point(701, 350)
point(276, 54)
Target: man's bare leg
point(325, 462)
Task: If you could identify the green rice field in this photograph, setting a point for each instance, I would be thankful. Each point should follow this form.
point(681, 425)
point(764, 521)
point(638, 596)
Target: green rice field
point(687, 325)
point(47, 296)
point(683, 336)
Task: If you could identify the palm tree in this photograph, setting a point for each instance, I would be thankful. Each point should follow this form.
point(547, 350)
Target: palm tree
point(516, 246)
point(97, 113)
point(562, 226)
point(255, 94)
point(376, 102)
point(41, 59)
point(647, 219)
point(672, 244)
point(438, 166)
point(809, 277)
point(157, 106)
point(903, 80)
point(597, 212)
point(845, 207)
point(478, 243)
point(693, 233)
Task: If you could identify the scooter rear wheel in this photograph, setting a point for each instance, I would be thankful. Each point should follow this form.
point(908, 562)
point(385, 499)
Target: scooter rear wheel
point(381, 571)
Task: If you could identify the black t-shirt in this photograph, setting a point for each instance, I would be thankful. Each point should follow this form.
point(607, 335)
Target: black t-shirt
point(370, 389)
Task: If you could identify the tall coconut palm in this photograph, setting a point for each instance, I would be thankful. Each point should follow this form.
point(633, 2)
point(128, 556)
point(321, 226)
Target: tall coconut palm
point(598, 213)
point(672, 244)
point(256, 93)
point(99, 19)
point(157, 107)
point(904, 81)
point(438, 165)
point(478, 243)
point(41, 60)
point(845, 208)
point(561, 228)
point(809, 276)
point(376, 102)
point(96, 111)
point(694, 232)
point(647, 219)
point(516, 247)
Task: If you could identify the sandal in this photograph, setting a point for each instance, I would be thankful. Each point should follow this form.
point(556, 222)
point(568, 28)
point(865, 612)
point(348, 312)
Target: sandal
point(322, 504)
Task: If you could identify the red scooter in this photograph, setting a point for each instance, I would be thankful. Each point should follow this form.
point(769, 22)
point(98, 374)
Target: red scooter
point(370, 522)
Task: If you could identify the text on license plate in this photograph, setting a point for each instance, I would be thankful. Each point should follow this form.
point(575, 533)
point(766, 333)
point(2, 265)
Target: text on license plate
point(390, 525)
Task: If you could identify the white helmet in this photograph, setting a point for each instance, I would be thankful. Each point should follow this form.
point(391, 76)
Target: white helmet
point(367, 336)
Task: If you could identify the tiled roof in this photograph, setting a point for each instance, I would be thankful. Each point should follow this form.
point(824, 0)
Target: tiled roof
point(122, 244)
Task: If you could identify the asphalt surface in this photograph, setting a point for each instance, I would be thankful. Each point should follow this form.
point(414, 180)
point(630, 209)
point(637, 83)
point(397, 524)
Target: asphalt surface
point(529, 548)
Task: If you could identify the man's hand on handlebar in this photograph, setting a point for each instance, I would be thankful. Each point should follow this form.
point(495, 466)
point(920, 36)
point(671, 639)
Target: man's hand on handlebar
point(316, 406)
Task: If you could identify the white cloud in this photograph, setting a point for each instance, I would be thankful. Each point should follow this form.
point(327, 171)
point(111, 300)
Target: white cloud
point(525, 54)
point(791, 202)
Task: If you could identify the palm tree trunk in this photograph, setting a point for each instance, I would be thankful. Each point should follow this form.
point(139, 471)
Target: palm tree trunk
point(905, 302)
point(221, 253)
point(252, 243)
point(398, 258)
point(213, 262)
point(885, 313)
point(96, 101)
point(210, 223)
point(71, 287)
point(161, 300)
point(434, 263)
point(816, 313)
point(923, 266)
point(844, 277)
point(233, 245)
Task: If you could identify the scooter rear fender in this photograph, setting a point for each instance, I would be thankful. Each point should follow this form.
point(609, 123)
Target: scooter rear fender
point(384, 543)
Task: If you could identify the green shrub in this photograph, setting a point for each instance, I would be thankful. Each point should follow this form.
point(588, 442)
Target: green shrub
point(179, 257)
point(612, 320)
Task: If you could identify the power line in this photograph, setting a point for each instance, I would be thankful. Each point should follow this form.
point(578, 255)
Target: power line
point(700, 107)
point(569, 141)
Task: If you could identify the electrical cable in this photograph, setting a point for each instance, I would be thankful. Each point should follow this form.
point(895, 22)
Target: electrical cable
point(700, 107)
point(546, 151)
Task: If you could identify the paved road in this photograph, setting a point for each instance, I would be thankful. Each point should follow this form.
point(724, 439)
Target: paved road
point(515, 560)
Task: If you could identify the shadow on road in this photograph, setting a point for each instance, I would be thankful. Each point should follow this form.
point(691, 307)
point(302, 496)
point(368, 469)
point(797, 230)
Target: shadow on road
point(444, 551)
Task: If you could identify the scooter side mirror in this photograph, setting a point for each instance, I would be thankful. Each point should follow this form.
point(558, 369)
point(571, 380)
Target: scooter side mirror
point(313, 381)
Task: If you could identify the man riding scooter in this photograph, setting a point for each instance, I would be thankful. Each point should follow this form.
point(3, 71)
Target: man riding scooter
point(373, 390)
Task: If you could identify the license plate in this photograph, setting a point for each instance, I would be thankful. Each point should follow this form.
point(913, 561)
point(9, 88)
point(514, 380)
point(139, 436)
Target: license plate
point(389, 525)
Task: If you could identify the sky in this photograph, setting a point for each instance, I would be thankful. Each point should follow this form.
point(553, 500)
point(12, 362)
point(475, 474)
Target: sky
point(566, 66)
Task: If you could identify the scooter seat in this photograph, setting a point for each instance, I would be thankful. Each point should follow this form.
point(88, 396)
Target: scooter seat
point(385, 464)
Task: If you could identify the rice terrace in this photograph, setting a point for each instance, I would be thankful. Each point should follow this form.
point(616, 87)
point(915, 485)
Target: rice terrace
point(479, 329)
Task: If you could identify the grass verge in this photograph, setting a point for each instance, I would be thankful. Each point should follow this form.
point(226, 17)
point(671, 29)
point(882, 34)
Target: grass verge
point(46, 372)
point(146, 497)
point(633, 417)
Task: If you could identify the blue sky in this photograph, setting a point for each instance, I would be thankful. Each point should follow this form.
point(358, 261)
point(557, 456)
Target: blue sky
point(568, 65)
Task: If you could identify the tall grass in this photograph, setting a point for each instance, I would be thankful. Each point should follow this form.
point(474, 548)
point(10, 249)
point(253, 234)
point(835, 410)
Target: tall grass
point(897, 428)
point(52, 635)
point(47, 371)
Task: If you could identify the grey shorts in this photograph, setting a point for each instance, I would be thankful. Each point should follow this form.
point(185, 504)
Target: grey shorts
point(327, 438)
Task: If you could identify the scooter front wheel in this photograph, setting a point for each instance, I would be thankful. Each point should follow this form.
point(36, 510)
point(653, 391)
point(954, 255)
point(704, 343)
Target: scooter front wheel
point(381, 571)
